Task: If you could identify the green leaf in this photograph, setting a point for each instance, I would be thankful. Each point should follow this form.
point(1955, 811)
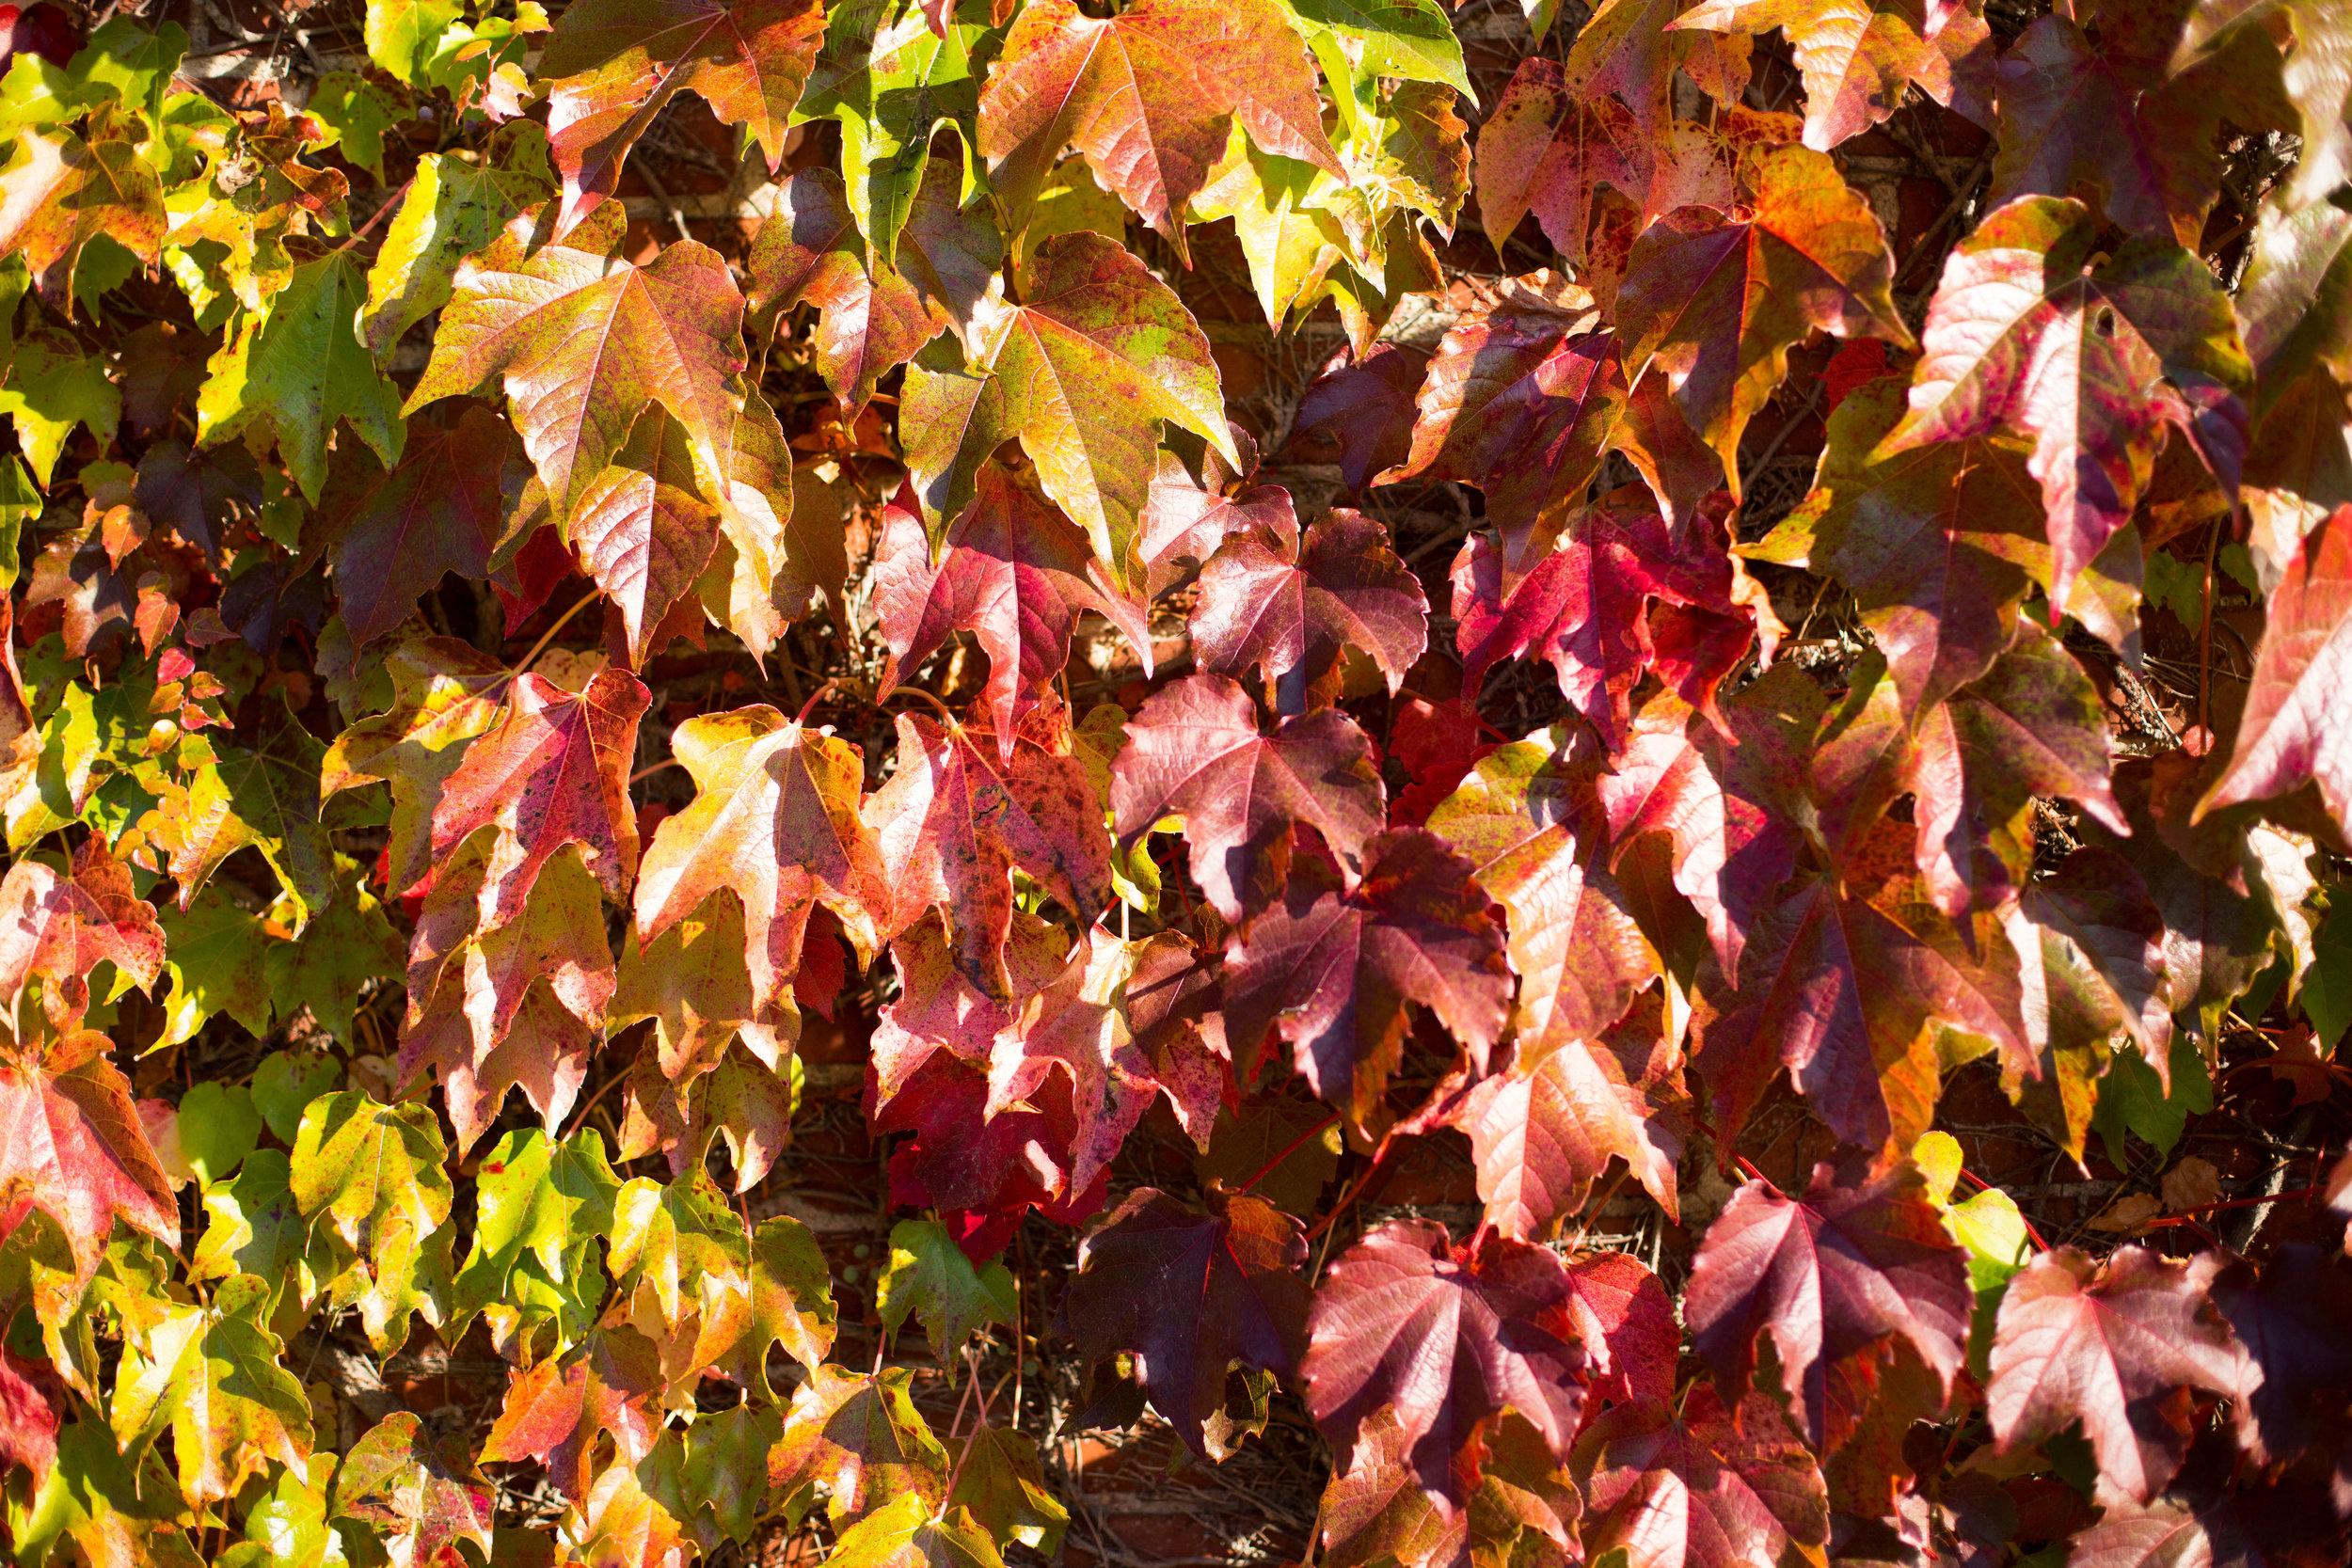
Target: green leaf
point(892, 82)
point(1000, 1478)
point(403, 35)
point(52, 387)
point(1083, 374)
point(216, 955)
point(218, 1127)
point(1411, 39)
point(373, 1175)
point(541, 1207)
point(789, 1302)
point(285, 1084)
point(265, 799)
point(357, 113)
point(210, 1375)
point(254, 1226)
point(110, 1510)
point(122, 61)
point(288, 1528)
point(675, 1246)
point(2132, 1097)
point(291, 372)
point(929, 1275)
point(2327, 984)
point(343, 947)
point(454, 206)
point(904, 1535)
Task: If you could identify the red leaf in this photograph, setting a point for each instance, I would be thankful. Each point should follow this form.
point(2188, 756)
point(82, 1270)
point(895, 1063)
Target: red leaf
point(1839, 982)
point(1195, 752)
point(1702, 1489)
point(1184, 517)
point(72, 1144)
point(616, 65)
point(1587, 608)
point(2296, 725)
point(2088, 360)
point(1859, 56)
point(1188, 1295)
point(1834, 1277)
point(58, 929)
point(1445, 1336)
point(558, 1412)
point(1332, 971)
point(29, 1394)
point(2118, 1344)
point(1627, 1325)
point(1148, 97)
point(952, 822)
point(1293, 612)
point(774, 820)
point(1542, 1133)
point(1523, 400)
point(1713, 303)
point(1364, 406)
point(1012, 571)
point(1437, 743)
point(553, 771)
point(443, 510)
point(1730, 811)
point(1547, 148)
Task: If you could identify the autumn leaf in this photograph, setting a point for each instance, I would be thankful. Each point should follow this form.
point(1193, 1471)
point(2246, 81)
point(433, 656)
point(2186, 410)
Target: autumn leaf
point(1365, 408)
point(1445, 1336)
point(1523, 820)
point(2089, 361)
point(444, 694)
point(617, 64)
point(1547, 148)
point(1728, 804)
point(1294, 613)
point(422, 1494)
point(861, 1438)
point(58, 929)
point(763, 780)
point(1859, 56)
point(1195, 751)
point(1834, 1277)
point(1699, 1488)
point(645, 531)
point(1542, 1133)
point(265, 799)
point(444, 509)
point(1082, 372)
point(1623, 1315)
point(874, 317)
point(2118, 1344)
point(75, 1150)
point(542, 327)
point(209, 1375)
point(1838, 981)
point(2294, 727)
point(1239, 1263)
point(60, 192)
point(1522, 400)
point(1602, 607)
point(1714, 303)
point(952, 822)
point(1331, 973)
point(1147, 97)
point(560, 1412)
point(1014, 573)
point(1934, 541)
point(553, 771)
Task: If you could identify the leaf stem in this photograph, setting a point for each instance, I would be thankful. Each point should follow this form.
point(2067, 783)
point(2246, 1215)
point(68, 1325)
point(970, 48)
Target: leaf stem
point(549, 636)
point(945, 711)
point(1293, 1147)
point(366, 228)
point(2033, 1234)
